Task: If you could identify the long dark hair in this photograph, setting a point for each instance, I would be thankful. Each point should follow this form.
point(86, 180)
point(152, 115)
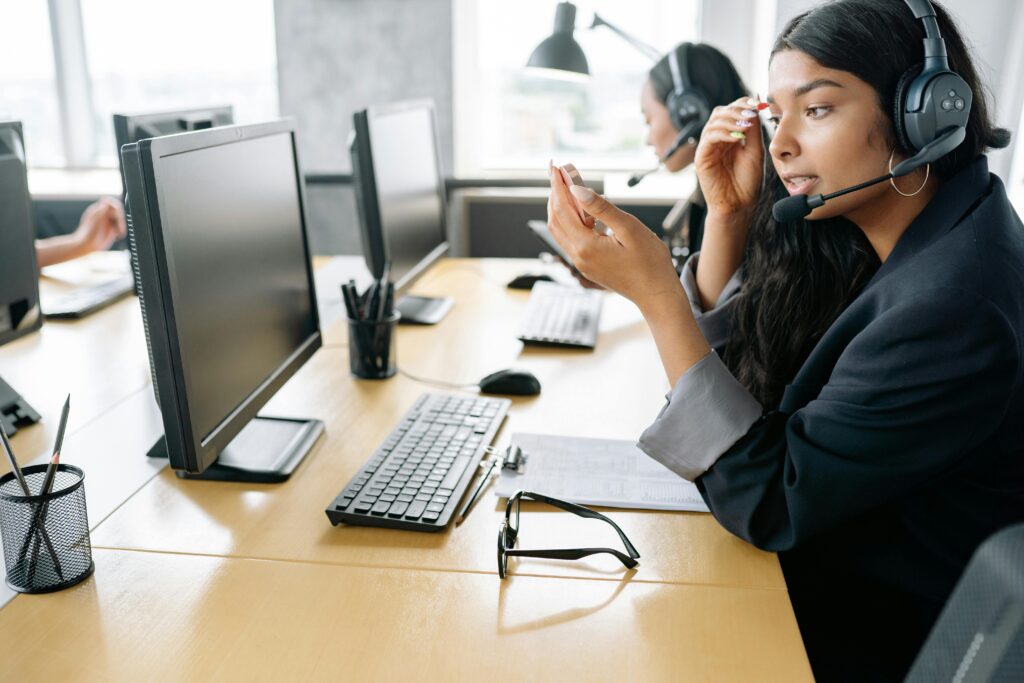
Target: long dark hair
point(798, 277)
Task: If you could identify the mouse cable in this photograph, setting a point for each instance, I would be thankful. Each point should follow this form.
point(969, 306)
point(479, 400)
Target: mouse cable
point(438, 382)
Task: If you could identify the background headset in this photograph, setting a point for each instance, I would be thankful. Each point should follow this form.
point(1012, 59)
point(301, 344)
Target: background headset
point(688, 109)
point(931, 107)
point(687, 105)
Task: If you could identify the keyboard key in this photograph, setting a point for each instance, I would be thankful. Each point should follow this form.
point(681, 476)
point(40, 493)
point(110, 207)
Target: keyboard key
point(435, 507)
point(458, 467)
point(416, 510)
point(380, 508)
point(397, 510)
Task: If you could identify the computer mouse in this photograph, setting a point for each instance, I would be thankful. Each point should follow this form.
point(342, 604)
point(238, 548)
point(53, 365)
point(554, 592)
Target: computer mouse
point(511, 383)
point(527, 280)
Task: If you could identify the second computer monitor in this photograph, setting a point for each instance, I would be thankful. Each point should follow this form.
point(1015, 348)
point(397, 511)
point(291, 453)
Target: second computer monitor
point(401, 196)
point(130, 128)
point(218, 230)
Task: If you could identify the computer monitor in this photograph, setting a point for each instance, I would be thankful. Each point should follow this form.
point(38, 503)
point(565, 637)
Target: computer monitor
point(218, 232)
point(130, 128)
point(400, 194)
point(19, 272)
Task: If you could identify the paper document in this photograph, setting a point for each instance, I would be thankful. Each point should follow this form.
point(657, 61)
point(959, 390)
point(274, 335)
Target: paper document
point(597, 472)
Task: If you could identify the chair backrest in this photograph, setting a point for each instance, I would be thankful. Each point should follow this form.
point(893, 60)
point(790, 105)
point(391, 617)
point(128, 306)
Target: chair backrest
point(979, 636)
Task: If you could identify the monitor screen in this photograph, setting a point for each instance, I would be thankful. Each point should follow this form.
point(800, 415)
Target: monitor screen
point(233, 234)
point(410, 187)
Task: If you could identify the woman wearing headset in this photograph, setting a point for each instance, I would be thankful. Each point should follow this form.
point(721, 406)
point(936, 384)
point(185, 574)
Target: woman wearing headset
point(862, 412)
point(676, 100)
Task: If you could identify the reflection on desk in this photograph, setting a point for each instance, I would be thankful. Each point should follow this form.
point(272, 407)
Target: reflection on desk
point(181, 617)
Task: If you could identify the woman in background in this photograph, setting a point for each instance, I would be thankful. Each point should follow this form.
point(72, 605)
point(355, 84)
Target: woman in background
point(676, 108)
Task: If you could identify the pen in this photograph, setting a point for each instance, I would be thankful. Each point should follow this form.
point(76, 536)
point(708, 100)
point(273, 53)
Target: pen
point(479, 487)
point(382, 291)
point(349, 297)
point(372, 297)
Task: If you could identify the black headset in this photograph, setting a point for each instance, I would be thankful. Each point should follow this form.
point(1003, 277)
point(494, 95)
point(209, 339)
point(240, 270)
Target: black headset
point(931, 101)
point(688, 107)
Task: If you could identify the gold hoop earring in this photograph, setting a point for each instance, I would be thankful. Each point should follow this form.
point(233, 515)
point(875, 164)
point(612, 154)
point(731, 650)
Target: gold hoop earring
point(892, 181)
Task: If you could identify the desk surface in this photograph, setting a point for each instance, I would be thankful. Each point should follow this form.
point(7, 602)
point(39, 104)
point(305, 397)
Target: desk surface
point(177, 559)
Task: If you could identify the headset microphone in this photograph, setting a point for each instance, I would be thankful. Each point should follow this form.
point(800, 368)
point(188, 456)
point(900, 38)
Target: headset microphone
point(680, 140)
point(799, 205)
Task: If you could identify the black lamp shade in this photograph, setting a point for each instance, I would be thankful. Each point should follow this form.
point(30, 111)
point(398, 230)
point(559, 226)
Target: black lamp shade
point(560, 51)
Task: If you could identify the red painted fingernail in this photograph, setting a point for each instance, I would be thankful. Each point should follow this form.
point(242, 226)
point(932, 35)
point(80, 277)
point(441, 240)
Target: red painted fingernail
point(761, 106)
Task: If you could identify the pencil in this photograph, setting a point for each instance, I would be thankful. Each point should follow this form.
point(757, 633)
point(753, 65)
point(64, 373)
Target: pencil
point(486, 477)
point(12, 461)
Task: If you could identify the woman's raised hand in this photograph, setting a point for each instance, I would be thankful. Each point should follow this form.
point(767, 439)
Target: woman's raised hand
point(730, 158)
point(632, 261)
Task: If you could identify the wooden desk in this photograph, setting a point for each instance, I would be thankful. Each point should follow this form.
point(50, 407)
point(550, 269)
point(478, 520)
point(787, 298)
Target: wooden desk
point(278, 589)
point(185, 618)
point(100, 360)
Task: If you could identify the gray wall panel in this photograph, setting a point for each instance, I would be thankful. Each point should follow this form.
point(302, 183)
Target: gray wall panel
point(336, 56)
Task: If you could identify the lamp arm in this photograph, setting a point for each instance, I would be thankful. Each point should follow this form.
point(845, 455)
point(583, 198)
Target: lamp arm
point(648, 51)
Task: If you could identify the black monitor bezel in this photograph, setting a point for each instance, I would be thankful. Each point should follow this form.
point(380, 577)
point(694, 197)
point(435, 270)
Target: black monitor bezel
point(364, 179)
point(186, 451)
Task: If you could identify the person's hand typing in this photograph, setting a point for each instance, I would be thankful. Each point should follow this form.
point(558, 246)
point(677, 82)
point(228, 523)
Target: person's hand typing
point(101, 225)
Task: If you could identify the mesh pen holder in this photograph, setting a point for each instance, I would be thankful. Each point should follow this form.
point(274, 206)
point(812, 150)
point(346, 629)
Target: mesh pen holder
point(46, 537)
point(371, 347)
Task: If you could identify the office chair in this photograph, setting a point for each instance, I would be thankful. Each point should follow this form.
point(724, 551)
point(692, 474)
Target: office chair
point(979, 635)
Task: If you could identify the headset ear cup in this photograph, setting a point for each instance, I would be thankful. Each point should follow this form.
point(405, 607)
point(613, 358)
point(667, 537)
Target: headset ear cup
point(899, 107)
point(686, 108)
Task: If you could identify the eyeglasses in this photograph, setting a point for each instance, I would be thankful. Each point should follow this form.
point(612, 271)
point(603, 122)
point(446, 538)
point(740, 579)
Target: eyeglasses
point(509, 533)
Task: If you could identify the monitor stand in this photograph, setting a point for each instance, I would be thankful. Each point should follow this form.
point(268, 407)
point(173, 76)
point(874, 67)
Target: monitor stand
point(15, 411)
point(423, 310)
point(266, 451)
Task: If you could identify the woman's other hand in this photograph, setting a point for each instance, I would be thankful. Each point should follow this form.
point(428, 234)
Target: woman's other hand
point(730, 158)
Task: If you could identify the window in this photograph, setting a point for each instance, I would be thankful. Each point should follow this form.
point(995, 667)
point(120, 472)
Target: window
point(138, 56)
point(150, 55)
point(507, 120)
point(28, 90)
